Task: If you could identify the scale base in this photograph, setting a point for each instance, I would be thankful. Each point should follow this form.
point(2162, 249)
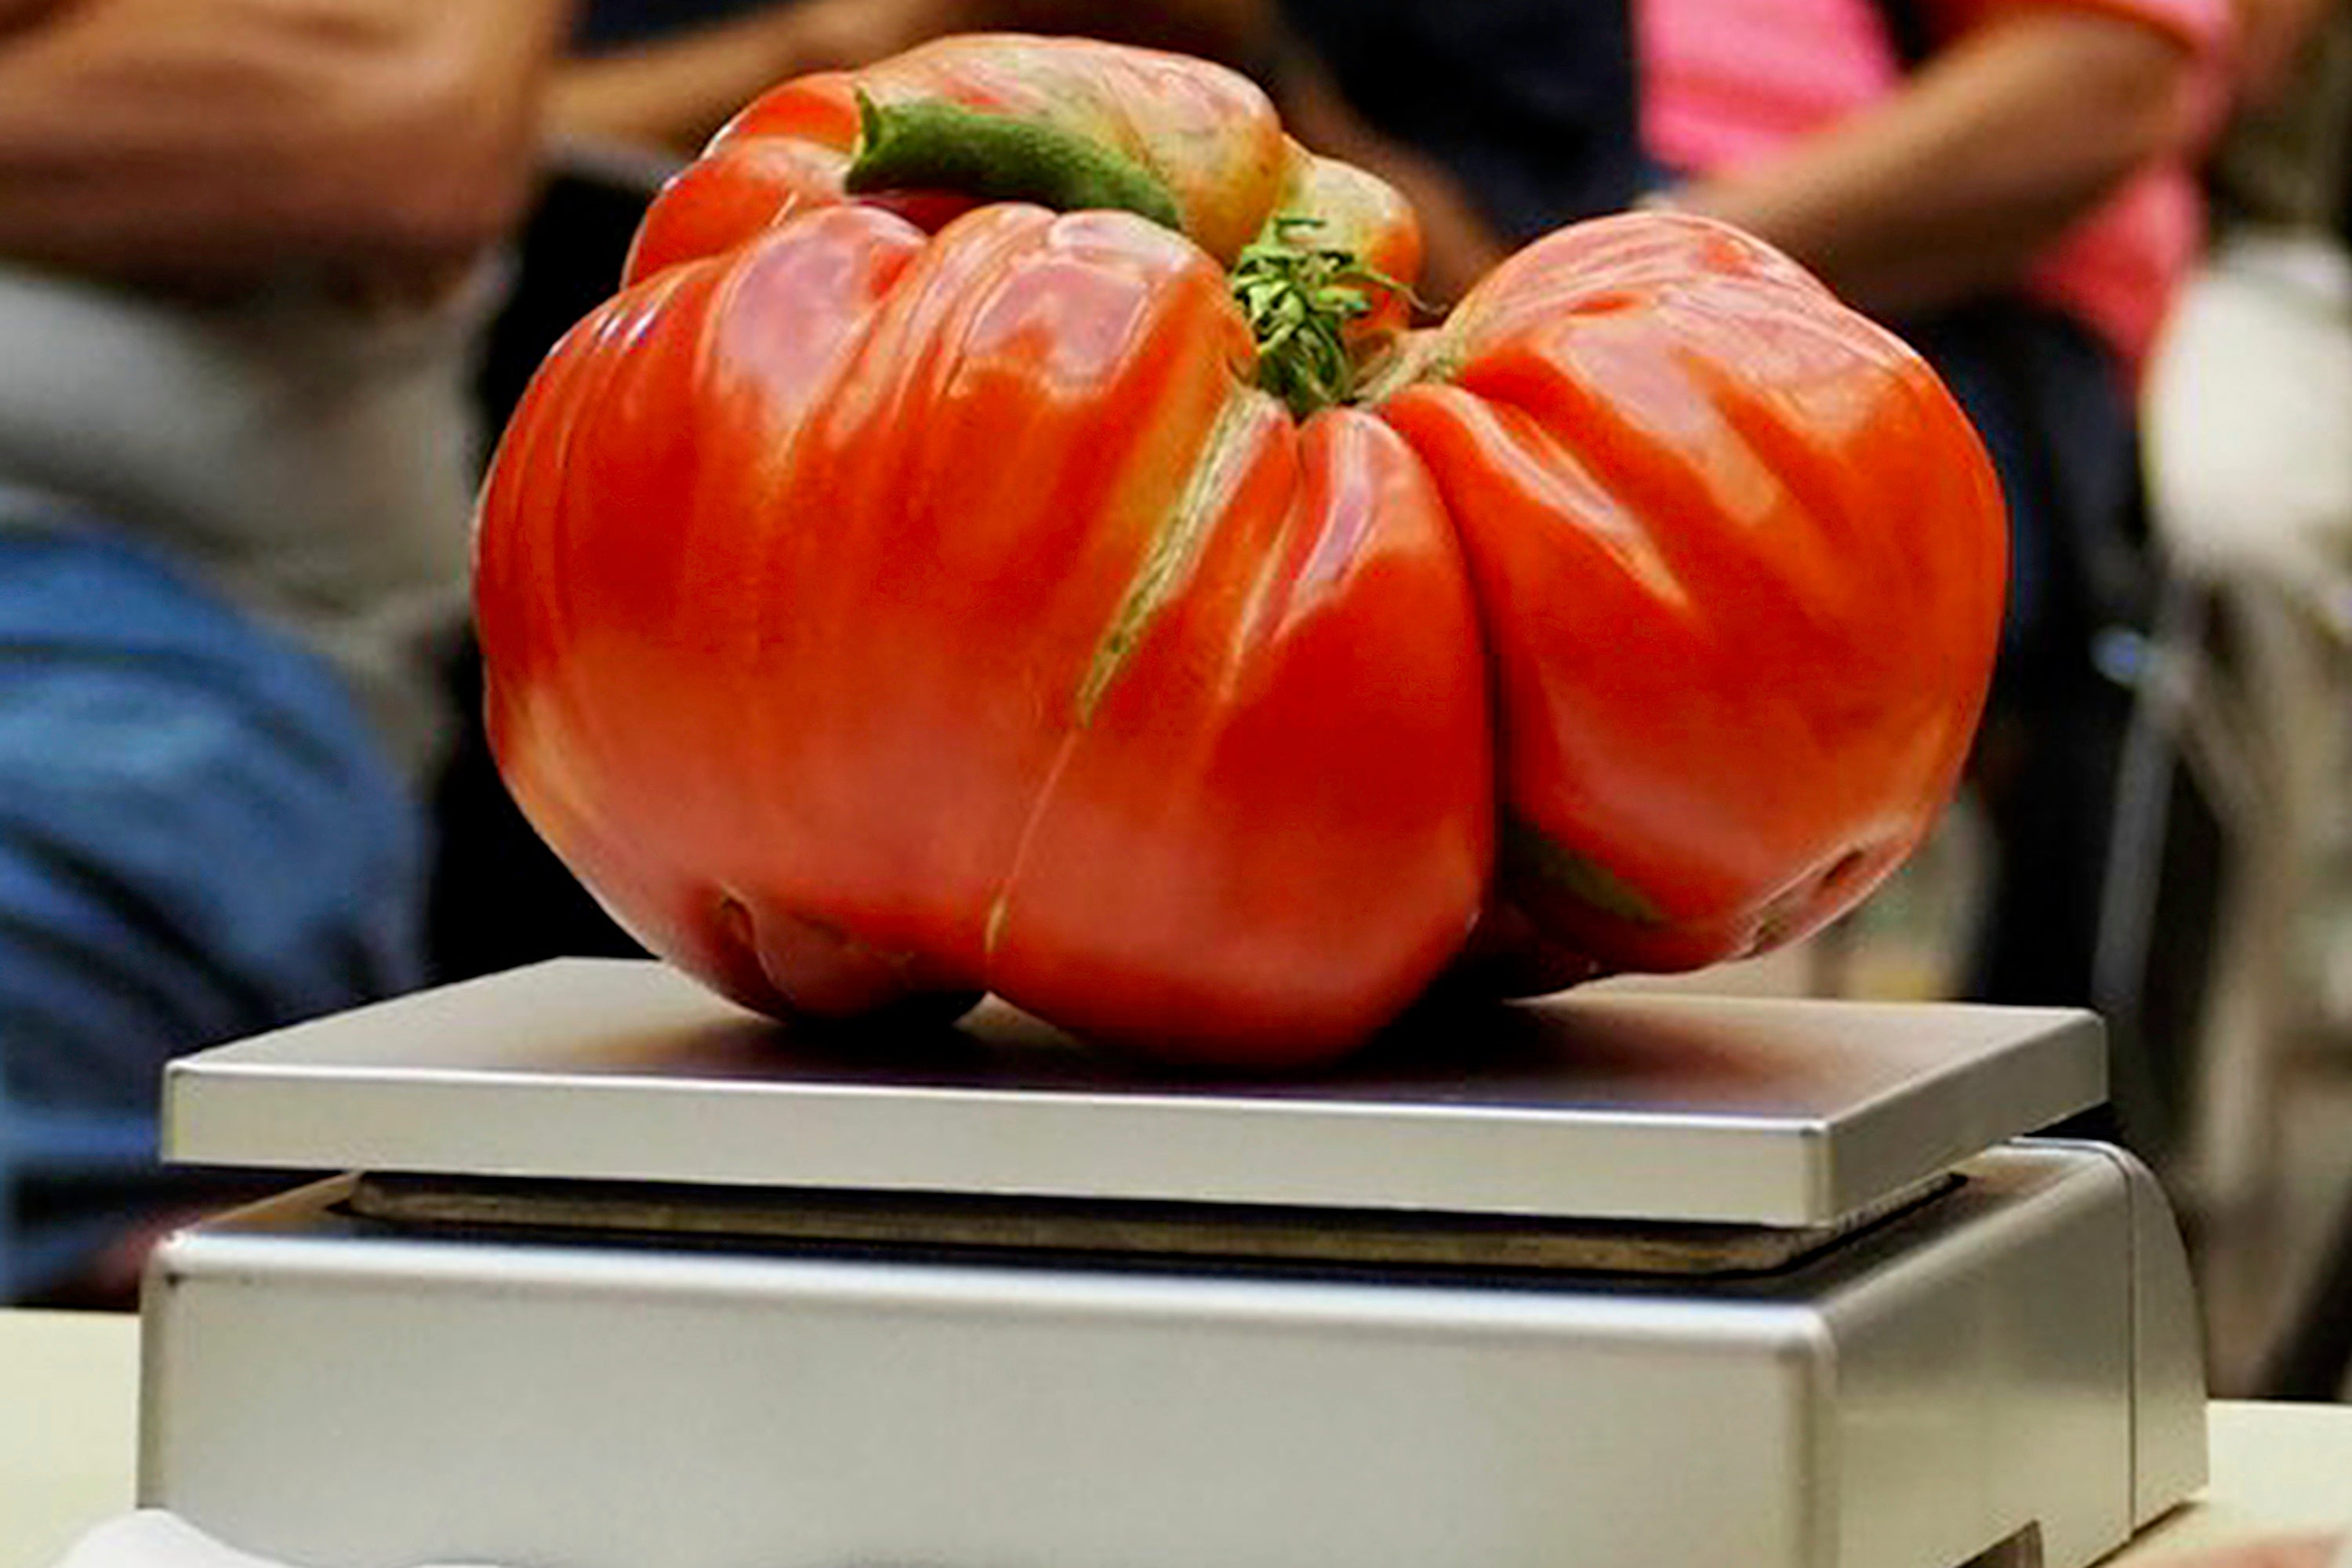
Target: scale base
point(2008, 1368)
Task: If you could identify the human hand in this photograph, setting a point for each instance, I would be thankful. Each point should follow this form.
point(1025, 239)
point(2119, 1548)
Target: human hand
point(2269, 1552)
point(224, 146)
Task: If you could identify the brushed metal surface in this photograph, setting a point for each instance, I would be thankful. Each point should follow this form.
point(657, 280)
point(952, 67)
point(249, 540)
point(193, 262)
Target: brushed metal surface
point(1958, 1378)
point(2168, 1352)
point(1704, 1109)
point(2000, 1358)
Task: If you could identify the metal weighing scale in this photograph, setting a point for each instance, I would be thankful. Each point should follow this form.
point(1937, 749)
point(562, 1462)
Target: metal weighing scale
point(625, 1278)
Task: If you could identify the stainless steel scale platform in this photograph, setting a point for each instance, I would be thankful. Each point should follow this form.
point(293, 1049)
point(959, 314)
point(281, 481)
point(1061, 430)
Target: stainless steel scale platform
point(621, 1277)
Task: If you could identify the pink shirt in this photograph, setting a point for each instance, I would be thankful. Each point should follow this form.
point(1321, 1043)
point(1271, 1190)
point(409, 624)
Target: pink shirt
point(1726, 82)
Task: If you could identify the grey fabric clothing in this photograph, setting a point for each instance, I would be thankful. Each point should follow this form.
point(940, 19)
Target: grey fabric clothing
point(313, 463)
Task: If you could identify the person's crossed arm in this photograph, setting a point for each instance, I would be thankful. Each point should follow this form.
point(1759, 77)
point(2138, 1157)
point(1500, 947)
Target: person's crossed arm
point(675, 89)
point(224, 143)
point(1993, 150)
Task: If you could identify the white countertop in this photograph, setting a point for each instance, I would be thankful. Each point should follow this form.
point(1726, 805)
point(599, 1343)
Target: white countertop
point(69, 1429)
point(68, 1422)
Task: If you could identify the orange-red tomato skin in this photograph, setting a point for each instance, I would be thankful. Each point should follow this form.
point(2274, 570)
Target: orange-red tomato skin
point(895, 597)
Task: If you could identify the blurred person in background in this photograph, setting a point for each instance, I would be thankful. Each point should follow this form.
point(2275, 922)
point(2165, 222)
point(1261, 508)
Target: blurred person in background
point(2248, 408)
point(239, 266)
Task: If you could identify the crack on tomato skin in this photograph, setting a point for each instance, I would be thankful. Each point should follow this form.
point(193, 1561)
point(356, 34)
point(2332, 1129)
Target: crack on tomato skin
point(993, 933)
point(1105, 469)
point(1000, 910)
point(1225, 459)
point(1174, 546)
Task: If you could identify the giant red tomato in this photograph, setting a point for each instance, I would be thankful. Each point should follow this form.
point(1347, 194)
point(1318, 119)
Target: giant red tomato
point(903, 586)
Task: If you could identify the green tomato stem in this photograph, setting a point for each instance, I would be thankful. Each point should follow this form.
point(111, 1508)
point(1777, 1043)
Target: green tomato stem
point(930, 145)
point(1297, 297)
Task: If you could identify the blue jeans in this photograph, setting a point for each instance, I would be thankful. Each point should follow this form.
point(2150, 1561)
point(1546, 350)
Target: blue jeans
point(199, 841)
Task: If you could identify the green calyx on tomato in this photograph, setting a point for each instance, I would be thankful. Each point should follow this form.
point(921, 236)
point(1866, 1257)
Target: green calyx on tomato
point(1297, 297)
